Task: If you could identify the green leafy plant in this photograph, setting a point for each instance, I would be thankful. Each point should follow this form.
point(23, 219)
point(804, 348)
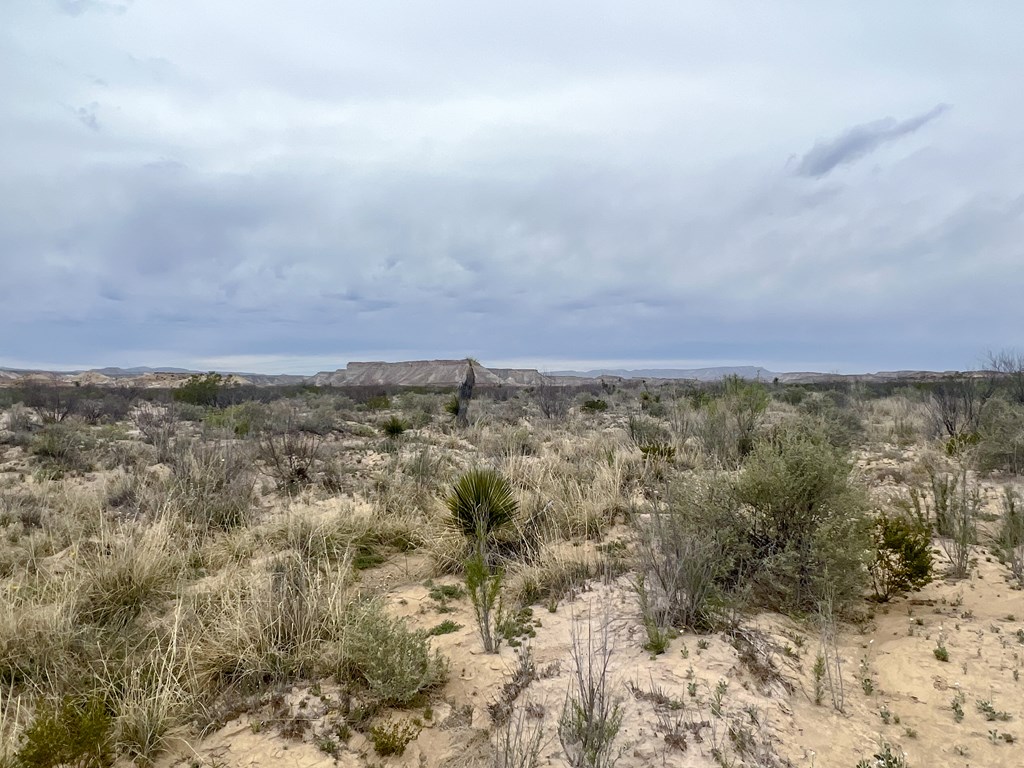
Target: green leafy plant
point(903, 556)
point(482, 502)
point(594, 406)
point(391, 737)
point(200, 389)
point(1010, 538)
point(394, 426)
point(73, 732)
point(885, 757)
point(807, 528)
point(991, 714)
point(446, 627)
point(392, 661)
point(378, 403)
point(819, 678)
point(957, 705)
point(484, 587)
point(451, 405)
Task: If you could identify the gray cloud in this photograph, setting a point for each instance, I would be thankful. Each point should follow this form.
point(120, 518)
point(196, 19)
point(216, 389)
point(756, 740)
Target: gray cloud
point(271, 188)
point(861, 140)
point(79, 7)
point(87, 116)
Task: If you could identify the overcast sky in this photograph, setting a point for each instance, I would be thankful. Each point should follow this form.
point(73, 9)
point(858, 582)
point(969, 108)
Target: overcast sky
point(288, 186)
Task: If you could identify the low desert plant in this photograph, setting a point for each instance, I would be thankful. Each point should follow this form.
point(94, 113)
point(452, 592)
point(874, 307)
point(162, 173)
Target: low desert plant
point(393, 663)
point(484, 586)
point(482, 503)
point(682, 559)
point(155, 696)
point(131, 570)
point(592, 714)
point(1010, 537)
point(200, 389)
point(290, 456)
point(391, 737)
point(394, 427)
point(885, 757)
point(71, 731)
point(807, 526)
point(903, 558)
point(273, 626)
point(956, 514)
point(518, 740)
point(64, 445)
point(212, 486)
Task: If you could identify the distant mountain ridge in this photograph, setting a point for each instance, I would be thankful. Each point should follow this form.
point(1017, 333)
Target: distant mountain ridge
point(425, 373)
point(450, 373)
point(698, 374)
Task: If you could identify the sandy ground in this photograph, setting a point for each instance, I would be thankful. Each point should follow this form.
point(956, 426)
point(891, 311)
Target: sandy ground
point(907, 701)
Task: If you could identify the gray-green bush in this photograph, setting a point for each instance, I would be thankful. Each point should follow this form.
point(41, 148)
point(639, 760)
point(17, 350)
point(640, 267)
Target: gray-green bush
point(806, 522)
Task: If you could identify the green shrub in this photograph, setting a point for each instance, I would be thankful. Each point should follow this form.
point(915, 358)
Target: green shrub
point(64, 445)
point(451, 405)
point(391, 737)
point(200, 389)
point(745, 402)
point(1000, 444)
point(806, 525)
point(394, 663)
point(446, 627)
point(378, 403)
point(686, 550)
point(594, 406)
point(484, 587)
point(1010, 537)
point(832, 416)
point(73, 732)
point(903, 556)
point(241, 419)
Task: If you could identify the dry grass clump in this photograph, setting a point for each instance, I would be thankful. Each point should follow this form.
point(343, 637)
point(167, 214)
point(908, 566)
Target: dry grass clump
point(129, 570)
point(158, 693)
point(557, 571)
point(213, 487)
point(12, 715)
point(38, 633)
point(268, 625)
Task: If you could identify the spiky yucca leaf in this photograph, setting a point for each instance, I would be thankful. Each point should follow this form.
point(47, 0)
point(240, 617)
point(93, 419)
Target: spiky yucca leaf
point(482, 502)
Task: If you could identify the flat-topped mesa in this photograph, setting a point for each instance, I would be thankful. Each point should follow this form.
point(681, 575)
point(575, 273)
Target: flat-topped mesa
point(426, 373)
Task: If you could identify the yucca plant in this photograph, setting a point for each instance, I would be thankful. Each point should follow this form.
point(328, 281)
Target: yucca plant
point(482, 503)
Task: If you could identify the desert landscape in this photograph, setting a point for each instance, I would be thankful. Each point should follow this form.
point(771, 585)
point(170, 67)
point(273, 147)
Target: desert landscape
point(203, 570)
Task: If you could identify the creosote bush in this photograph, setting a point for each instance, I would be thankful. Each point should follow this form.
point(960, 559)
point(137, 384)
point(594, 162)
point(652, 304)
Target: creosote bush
point(201, 389)
point(803, 521)
point(903, 556)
